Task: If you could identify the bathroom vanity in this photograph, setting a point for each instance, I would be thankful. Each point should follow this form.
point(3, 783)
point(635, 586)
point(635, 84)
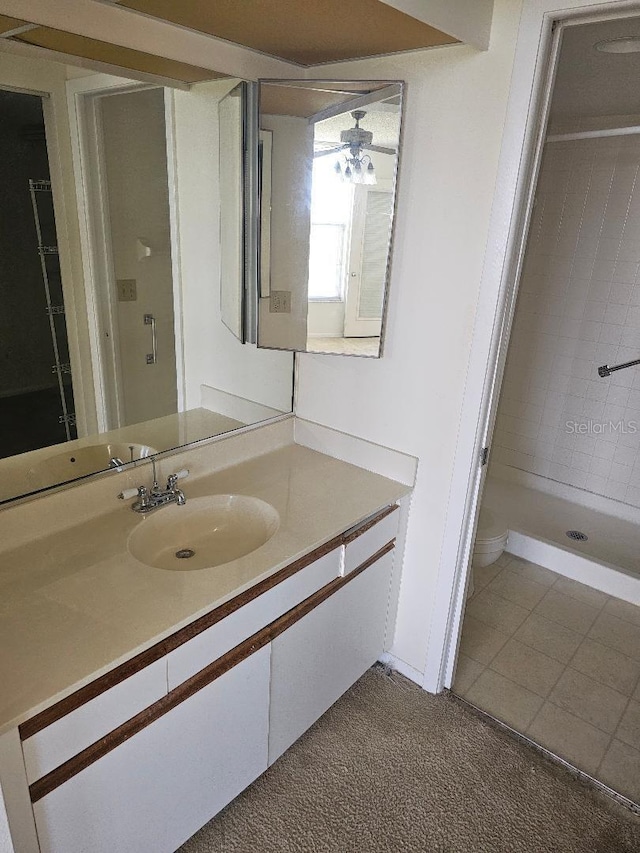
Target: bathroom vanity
point(177, 689)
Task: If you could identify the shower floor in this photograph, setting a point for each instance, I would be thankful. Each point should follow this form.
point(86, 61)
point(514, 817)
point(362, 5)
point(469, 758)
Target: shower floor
point(612, 541)
point(558, 662)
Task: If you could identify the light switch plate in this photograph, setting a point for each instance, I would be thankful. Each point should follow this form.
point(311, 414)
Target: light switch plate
point(127, 289)
point(280, 302)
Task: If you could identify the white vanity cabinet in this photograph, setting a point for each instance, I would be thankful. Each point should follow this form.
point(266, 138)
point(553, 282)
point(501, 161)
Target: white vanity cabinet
point(318, 658)
point(155, 790)
point(139, 759)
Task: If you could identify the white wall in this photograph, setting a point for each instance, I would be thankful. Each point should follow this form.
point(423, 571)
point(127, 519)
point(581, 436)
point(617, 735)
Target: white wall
point(135, 164)
point(325, 319)
point(578, 308)
point(411, 399)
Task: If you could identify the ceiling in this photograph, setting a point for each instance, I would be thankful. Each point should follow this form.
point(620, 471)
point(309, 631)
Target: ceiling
point(111, 54)
point(590, 83)
point(7, 24)
point(304, 99)
point(307, 33)
point(73, 45)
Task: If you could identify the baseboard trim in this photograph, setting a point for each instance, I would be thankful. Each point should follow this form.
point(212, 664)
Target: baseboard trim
point(387, 659)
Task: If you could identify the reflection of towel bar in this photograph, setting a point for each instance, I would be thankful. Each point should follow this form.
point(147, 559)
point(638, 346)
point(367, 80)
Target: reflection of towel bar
point(152, 357)
point(605, 370)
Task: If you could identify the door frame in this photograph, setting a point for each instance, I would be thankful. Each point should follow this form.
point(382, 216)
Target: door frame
point(536, 54)
point(54, 113)
point(88, 164)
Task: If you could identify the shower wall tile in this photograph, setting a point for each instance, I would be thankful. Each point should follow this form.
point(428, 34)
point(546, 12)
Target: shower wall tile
point(578, 308)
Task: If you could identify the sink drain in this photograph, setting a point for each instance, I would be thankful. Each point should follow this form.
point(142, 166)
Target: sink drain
point(577, 535)
point(185, 553)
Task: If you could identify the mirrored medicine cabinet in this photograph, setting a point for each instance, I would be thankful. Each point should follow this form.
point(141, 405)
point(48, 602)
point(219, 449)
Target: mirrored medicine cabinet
point(151, 294)
point(329, 154)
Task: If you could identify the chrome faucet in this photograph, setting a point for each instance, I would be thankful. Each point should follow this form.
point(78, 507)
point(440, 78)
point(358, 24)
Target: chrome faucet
point(155, 497)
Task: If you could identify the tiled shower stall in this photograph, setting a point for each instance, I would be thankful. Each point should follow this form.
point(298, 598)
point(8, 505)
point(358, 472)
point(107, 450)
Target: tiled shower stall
point(578, 308)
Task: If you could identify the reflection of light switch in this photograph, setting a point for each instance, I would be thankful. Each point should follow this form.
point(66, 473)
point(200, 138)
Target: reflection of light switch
point(280, 302)
point(127, 291)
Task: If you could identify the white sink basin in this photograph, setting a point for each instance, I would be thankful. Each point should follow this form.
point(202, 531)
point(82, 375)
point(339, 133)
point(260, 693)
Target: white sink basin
point(204, 533)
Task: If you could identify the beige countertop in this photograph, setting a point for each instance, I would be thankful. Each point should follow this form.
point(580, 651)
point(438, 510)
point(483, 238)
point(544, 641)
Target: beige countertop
point(75, 604)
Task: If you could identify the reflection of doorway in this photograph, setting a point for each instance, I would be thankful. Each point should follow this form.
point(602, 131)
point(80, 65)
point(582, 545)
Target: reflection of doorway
point(128, 201)
point(370, 230)
point(35, 372)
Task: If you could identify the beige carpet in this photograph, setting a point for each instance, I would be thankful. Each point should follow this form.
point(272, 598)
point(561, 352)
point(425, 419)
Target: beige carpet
point(391, 769)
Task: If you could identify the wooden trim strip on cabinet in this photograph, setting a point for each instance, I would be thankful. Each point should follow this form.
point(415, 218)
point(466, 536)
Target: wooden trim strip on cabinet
point(357, 531)
point(41, 787)
point(163, 647)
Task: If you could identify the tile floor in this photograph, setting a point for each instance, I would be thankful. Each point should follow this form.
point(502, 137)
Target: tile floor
point(559, 662)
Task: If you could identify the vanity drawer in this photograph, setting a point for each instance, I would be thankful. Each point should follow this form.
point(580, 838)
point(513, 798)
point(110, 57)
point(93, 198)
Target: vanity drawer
point(212, 643)
point(70, 734)
point(368, 538)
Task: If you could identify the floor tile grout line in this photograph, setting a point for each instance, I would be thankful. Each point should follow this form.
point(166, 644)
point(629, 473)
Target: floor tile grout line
point(551, 619)
point(544, 698)
point(627, 698)
point(635, 807)
point(614, 736)
point(507, 571)
point(609, 649)
point(622, 618)
point(581, 600)
point(462, 692)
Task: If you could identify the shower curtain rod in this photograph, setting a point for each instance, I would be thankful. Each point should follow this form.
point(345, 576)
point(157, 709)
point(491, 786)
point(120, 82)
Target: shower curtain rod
point(594, 134)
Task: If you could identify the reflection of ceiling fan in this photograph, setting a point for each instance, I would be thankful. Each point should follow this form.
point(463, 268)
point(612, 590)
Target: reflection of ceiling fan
point(358, 166)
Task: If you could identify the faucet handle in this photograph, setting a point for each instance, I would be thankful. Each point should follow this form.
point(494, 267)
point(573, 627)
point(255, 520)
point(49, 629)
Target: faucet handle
point(172, 479)
point(127, 494)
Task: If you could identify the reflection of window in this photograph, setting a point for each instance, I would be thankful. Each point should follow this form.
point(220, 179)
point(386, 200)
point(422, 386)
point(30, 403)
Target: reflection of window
point(331, 204)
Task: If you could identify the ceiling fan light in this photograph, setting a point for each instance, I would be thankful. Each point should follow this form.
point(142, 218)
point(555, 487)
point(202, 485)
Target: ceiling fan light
point(369, 176)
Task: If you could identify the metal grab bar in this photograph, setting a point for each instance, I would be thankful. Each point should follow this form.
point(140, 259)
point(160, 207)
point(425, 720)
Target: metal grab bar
point(152, 357)
point(605, 370)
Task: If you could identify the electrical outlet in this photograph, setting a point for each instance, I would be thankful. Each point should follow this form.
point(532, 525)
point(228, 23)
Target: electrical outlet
point(280, 302)
point(127, 290)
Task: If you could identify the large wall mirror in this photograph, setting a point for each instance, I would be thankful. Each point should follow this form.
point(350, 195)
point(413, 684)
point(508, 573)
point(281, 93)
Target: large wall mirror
point(123, 260)
point(328, 164)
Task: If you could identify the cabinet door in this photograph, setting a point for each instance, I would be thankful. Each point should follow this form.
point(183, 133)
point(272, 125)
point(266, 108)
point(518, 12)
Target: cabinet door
point(318, 658)
point(155, 790)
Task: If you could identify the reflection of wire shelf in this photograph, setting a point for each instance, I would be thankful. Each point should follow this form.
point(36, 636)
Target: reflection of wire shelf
point(40, 186)
point(36, 189)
